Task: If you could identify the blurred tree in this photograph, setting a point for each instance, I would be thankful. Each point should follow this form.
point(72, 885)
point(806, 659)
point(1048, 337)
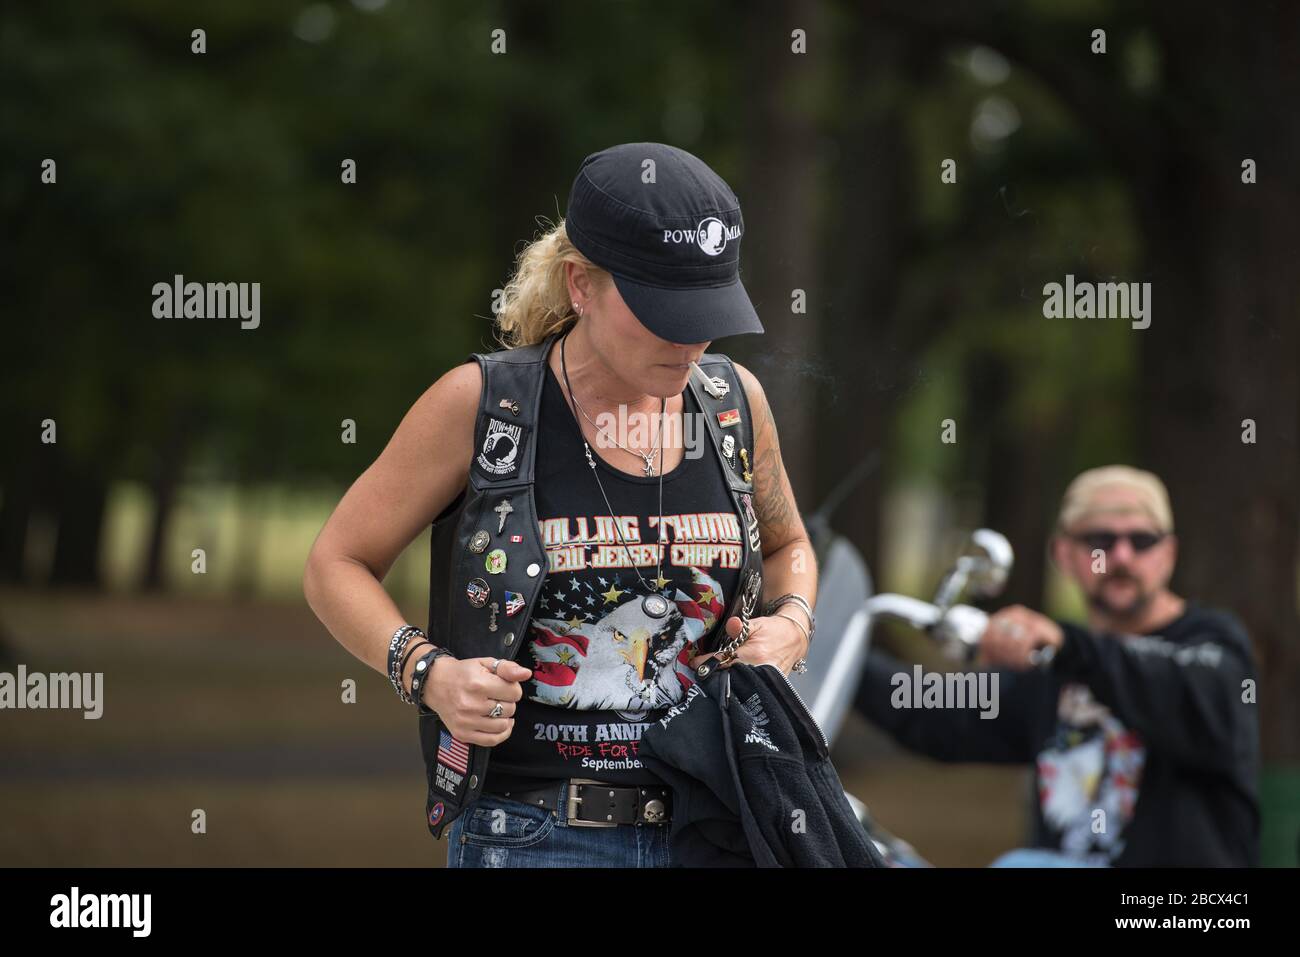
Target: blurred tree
point(1177, 104)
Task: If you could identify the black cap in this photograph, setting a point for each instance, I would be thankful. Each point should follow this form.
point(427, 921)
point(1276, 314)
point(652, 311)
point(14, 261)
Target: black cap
point(672, 245)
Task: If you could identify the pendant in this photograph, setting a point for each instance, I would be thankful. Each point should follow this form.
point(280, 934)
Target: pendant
point(655, 606)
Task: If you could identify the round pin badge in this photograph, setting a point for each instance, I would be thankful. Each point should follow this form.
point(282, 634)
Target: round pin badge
point(534, 569)
point(478, 542)
point(477, 592)
point(495, 562)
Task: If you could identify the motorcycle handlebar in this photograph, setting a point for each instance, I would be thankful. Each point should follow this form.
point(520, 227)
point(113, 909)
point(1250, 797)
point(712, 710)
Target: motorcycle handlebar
point(960, 627)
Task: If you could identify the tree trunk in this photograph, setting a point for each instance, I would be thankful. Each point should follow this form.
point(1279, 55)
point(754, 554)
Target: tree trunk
point(1017, 478)
point(780, 202)
point(1223, 345)
point(80, 518)
point(868, 196)
point(168, 472)
point(15, 511)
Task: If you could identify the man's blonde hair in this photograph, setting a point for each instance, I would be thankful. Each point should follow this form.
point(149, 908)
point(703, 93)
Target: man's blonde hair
point(1079, 500)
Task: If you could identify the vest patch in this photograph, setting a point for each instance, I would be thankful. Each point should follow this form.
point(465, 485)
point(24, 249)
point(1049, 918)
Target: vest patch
point(452, 763)
point(501, 448)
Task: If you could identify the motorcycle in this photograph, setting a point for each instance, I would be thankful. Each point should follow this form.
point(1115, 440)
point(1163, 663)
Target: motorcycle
point(848, 609)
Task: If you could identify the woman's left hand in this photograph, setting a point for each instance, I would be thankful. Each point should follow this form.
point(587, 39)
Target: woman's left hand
point(773, 640)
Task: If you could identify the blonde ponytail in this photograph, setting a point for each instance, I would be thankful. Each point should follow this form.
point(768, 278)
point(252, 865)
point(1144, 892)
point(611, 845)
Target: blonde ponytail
point(535, 302)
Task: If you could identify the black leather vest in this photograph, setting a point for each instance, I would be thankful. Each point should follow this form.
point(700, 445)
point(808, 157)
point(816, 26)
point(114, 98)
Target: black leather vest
point(497, 503)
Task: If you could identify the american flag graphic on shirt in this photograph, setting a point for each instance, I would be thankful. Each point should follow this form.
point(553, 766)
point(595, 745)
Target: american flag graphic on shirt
point(453, 752)
point(601, 651)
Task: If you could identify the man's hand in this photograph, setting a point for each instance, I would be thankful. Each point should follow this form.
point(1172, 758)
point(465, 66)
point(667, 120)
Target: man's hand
point(1013, 634)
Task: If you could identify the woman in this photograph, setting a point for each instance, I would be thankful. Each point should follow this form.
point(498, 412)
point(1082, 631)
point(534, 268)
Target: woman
point(626, 294)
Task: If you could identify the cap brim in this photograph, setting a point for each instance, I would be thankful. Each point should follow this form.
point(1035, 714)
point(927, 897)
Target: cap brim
point(690, 315)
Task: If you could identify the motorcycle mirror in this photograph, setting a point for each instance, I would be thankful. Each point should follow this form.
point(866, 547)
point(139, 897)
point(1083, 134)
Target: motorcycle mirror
point(991, 560)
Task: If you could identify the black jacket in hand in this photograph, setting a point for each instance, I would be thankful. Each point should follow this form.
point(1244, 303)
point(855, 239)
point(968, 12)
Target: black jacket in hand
point(752, 779)
point(1160, 732)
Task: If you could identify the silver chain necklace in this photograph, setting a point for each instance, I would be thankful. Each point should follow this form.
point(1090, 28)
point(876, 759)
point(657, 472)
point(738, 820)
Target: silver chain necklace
point(647, 457)
point(653, 604)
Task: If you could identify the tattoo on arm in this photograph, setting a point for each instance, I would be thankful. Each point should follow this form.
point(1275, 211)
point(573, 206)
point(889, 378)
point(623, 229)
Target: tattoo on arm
point(772, 504)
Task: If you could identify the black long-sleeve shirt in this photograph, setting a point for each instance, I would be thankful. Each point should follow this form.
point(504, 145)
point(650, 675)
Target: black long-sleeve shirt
point(1146, 748)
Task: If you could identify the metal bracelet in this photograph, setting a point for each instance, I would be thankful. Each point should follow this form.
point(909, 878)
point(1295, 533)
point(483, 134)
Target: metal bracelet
point(395, 651)
point(396, 646)
point(775, 603)
point(802, 602)
point(798, 624)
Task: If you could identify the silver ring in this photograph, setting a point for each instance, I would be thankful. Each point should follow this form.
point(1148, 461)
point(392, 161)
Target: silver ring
point(1013, 628)
point(496, 710)
point(496, 663)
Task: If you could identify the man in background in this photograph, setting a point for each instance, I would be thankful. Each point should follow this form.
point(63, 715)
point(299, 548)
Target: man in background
point(1142, 729)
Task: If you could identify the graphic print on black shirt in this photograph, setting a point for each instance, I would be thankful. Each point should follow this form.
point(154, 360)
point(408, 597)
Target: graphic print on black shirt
point(603, 670)
point(1088, 776)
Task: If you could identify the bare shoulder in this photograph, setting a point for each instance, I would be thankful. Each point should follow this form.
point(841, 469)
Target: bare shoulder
point(429, 454)
point(445, 414)
point(416, 477)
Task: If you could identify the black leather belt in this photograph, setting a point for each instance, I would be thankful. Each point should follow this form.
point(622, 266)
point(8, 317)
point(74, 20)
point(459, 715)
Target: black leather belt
point(589, 803)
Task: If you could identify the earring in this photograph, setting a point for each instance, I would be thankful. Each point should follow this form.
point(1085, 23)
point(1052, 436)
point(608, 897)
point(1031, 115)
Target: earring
point(578, 310)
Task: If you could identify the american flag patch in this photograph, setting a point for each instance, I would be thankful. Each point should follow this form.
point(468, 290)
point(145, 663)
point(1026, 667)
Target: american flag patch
point(453, 753)
point(514, 603)
point(730, 417)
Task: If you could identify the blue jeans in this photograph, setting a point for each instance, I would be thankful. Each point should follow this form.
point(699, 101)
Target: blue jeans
point(1043, 857)
point(498, 831)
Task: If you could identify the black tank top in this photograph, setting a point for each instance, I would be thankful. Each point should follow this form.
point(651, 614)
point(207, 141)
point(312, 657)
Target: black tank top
point(603, 669)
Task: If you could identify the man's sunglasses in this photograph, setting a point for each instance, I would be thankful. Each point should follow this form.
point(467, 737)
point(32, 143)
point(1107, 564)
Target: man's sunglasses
point(1106, 541)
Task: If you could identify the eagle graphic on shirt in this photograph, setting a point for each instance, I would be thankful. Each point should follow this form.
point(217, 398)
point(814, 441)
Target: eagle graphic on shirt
point(608, 654)
point(1093, 763)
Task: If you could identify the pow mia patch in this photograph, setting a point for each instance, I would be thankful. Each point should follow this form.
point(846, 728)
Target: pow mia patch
point(500, 448)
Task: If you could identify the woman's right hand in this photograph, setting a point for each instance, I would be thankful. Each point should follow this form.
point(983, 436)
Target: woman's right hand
point(464, 692)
